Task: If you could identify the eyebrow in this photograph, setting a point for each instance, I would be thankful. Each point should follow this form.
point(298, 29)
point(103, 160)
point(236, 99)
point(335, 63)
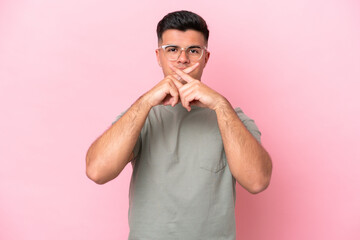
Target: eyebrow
point(191, 46)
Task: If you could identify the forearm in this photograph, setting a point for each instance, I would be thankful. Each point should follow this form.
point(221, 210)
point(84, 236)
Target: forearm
point(248, 161)
point(110, 153)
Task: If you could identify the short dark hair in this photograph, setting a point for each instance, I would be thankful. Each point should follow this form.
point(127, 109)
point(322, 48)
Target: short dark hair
point(182, 20)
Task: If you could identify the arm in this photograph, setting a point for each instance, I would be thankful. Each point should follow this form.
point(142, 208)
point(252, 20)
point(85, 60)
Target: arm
point(110, 153)
point(248, 161)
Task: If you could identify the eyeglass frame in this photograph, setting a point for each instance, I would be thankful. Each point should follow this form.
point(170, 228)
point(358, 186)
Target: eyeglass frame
point(203, 49)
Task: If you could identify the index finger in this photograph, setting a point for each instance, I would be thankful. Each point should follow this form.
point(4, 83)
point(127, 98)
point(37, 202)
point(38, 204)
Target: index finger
point(191, 68)
point(176, 81)
point(182, 74)
point(187, 70)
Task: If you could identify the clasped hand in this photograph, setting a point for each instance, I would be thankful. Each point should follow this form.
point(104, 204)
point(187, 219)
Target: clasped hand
point(190, 91)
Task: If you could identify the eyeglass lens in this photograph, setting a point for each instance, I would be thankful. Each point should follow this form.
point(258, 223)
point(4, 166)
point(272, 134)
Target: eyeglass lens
point(194, 53)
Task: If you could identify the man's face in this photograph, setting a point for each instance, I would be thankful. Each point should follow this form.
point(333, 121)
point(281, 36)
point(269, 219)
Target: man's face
point(182, 39)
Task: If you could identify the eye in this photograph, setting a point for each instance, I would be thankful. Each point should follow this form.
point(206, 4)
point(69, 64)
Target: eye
point(195, 50)
point(171, 49)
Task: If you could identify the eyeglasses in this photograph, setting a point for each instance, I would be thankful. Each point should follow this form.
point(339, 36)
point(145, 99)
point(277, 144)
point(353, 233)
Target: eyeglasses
point(173, 52)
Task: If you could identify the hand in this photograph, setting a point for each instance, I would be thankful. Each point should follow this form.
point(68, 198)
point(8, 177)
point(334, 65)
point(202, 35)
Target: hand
point(196, 93)
point(166, 91)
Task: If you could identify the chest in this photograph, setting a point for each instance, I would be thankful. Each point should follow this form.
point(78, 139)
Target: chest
point(183, 140)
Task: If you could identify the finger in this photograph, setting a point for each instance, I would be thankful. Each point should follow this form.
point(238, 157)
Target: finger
point(185, 91)
point(186, 87)
point(187, 70)
point(167, 100)
point(186, 98)
point(176, 81)
point(197, 103)
point(191, 68)
point(174, 92)
point(182, 74)
point(171, 92)
point(170, 99)
point(191, 99)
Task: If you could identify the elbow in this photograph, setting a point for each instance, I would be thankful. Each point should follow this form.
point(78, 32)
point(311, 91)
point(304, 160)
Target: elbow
point(259, 182)
point(93, 173)
point(94, 176)
point(254, 186)
point(262, 179)
point(258, 187)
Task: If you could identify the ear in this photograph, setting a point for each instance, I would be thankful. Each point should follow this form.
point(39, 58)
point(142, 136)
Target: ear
point(158, 57)
point(207, 56)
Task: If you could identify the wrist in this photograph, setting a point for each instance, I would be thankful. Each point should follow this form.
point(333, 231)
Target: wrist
point(221, 103)
point(144, 102)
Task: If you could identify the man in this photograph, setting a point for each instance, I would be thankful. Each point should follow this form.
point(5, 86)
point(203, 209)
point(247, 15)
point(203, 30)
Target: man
point(186, 143)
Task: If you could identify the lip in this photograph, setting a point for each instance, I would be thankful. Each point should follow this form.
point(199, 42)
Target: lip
point(182, 67)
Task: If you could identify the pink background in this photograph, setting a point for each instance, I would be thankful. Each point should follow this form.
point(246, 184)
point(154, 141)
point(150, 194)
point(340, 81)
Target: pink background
point(68, 68)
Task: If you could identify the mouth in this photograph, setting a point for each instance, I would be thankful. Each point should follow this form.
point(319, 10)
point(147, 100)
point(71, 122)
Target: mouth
point(181, 67)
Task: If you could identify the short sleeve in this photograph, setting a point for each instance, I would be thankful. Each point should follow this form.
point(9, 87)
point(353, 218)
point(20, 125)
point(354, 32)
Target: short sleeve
point(249, 124)
point(137, 146)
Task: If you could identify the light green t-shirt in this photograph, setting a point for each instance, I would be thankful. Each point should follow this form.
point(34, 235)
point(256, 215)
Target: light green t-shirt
point(181, 186)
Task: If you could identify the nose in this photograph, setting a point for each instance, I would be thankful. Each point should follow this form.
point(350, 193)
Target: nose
point(183, 58)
